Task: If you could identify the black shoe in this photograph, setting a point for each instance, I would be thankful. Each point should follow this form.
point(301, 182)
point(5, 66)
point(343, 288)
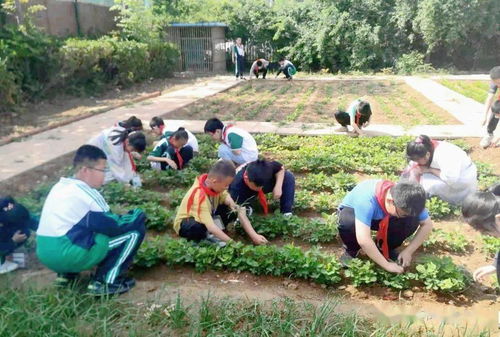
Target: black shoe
point(126, 280)
point(98, 288)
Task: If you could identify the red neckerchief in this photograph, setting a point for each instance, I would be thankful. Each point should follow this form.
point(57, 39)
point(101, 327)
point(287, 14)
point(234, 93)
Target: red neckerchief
point(224, 133)
point(357, 117)
point(132, 162)
point(204, 191)
point(262, 196)
point(381, 190)
point(177, 154)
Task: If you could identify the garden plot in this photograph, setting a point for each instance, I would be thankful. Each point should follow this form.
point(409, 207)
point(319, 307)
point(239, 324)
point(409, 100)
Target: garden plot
point(393, 102)
point(475, 89)
point(302, 259)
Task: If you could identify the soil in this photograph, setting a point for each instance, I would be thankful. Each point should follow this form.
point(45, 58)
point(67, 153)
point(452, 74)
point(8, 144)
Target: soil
point(392, 102)
point(489, 155)
point(64, 107)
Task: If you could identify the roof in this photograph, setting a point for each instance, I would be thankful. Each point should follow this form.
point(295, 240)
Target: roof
point(198, 24)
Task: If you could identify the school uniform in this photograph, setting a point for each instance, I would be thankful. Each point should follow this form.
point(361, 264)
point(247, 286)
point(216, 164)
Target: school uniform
point(77, 232)
point(256, 70)
point(351, 116)
point(16, 219)
point(197, 209)
point(164, 149)
point(242, 194)
point(493, 120)
point(366, 202)
point(120, 163)
point(169, 129)
point(288, 69)
point(239, 54)
point(458, 176)
point(234, 138)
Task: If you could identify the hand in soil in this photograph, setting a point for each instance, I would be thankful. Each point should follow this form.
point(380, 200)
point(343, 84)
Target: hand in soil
point(394, 268)
point(259, 239)
point(19, 237)
point(481, 272)
point(404, 259)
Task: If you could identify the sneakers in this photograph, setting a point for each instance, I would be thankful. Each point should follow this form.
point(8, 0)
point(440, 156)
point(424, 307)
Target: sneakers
point(98, 288)
point(486, 141)
point(287, 215)
point(20, 259)
point(7, 267)
point(345, 258)
point(128, 281)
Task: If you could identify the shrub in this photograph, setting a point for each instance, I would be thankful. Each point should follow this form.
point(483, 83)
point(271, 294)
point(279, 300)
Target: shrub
point(412, 63)
point(9, 89)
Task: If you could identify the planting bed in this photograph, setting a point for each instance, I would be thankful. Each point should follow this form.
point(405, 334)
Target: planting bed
point(477, 90)
point(302, 258)
point(393, 102)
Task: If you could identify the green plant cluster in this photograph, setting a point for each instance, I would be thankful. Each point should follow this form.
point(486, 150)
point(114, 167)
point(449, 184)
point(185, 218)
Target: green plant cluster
point(339, 182)
point(439, 274)
point(289, 261)
point(318, 202)
point(451, 241)
point(491, 244)
point(440, 209)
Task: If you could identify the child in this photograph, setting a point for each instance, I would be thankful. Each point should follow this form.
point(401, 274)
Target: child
point(237, 144)
point(118, 145)
point(131, 124)
point(159, 128)
point(77, 230)
point(442, 168)
point(259, 66)
point(358, 116)
point(260, 177)
point(395, 211)
point(482, 211)
point(15, 226)
point(172, 152)
point(287, 68)
point(492, 125)
point(239, 58)
point(207, 207)
point(492, 120)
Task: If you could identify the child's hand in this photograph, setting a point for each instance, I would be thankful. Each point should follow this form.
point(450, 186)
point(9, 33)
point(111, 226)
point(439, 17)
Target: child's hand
point(277, 192)
point(19, 237)
point(481, 272)
point(171, 163)
point(259, 239)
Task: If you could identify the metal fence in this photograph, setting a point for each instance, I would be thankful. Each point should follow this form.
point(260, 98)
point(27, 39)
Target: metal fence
point(196, 48)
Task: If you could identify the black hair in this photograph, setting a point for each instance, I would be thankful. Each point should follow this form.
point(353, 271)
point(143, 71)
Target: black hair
point(212, 125)
point(259, 172)
point(259, 63)
point(88, 155)
point(17, 215)
point(495, 189)
point(138, 141)
point(495, 108)
point(365, 112)
point(131, 124)
point(495, 73)
point(419, 147)
point(281, 59)
point(479, 210)
point(409, 197)
point(223, 168)
point(181, 133)
point(156, 121)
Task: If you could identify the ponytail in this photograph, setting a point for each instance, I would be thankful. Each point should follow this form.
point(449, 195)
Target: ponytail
point(419, 147)
point(136, 139)
point(119, 136)
point(131, 124)
point(181, 133)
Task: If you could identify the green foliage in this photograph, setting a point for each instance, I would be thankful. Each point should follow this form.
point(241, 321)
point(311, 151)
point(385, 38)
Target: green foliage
point(116, 193)
point(339, 182)
point(259, 260)
point(34, 200)
point(485, 175)
point(477, 90)
point(169, 178)
point(9, 89)
point(412, 63)
point(441, 274)
point(361, 272)
point(450, 241)
point(439, 209)
point(491, 244)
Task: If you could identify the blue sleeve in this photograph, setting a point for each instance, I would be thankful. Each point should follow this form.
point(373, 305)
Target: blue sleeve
point(111, 224)
point(364, 213)
point(424, 215)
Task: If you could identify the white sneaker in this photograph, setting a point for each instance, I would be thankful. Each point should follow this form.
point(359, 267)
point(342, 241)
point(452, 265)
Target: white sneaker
point(287, 215)
point(215, 240)
point(8, 266)
point(19, 259)
point(486, 141)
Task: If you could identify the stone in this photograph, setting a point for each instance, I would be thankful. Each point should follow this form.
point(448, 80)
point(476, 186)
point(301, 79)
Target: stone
point(408, 294)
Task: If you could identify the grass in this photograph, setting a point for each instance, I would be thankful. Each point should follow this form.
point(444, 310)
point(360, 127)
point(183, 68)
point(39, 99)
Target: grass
point(51, 312)
point(477, 90)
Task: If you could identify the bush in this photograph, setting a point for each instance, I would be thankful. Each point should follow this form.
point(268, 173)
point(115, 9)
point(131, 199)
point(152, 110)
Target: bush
point(412, 63)
point(9, 90)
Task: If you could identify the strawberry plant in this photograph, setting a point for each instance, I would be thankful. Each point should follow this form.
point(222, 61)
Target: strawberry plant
point(442, 275)
point(339, 182)
point(485, 175)
point(169, 178)
point(159, 218)
point(361, 272)
point(175, 197)
point(439, 209)
point(450, 241)
point(116, 193)
point(491, 244)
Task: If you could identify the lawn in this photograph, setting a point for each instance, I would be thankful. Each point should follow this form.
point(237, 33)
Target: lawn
point(477, 90)
point(392, 101)
point(304, 248)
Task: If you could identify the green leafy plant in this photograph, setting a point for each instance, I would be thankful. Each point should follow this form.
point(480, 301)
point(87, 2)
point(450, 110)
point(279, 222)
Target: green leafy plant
point(491, 244)
point(361, 272)
point(451, 241)
point(439, 209)
point(442, 275)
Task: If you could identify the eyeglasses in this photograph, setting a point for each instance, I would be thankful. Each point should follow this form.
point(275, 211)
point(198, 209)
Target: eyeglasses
point(96, 169)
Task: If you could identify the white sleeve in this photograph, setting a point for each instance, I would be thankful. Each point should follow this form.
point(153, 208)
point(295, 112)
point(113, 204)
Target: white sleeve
point(119, 162)
point(449, 164)
point(252, 68)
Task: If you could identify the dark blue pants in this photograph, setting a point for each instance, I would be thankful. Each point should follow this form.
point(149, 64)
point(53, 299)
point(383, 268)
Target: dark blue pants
point(196, 231)
point(240, 66)
point(399, 230)
point(186, 153)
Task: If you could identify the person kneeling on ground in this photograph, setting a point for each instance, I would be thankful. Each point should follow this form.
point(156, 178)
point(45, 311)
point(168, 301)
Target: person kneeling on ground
point(207, 208)
point(119, 145)
point(237, 144)
point(395, 211)
point(257, 178)
point(161, 130)
point(259, 66)
point(358, 115)
point(287, 68)
point(442, 168)
point(16, 225)
point(481, 210)
point(78, 232)
point(172, 152)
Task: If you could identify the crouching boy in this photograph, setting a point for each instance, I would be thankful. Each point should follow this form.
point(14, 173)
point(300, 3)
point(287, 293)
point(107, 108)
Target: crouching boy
point(207, 208)
point(395, 211)
point(77, 231)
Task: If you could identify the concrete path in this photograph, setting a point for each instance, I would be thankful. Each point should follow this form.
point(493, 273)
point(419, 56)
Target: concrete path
point(465, 109)
point(19, 157)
